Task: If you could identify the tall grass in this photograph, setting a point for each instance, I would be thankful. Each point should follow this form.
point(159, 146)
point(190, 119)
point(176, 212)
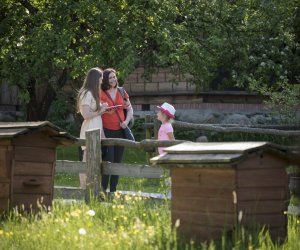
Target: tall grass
point(123, 223)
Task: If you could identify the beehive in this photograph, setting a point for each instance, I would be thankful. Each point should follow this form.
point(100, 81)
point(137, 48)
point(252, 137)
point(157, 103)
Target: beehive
point(27, 163)
point(218, 186)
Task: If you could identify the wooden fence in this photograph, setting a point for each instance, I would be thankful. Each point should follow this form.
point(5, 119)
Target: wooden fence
point(94, 167)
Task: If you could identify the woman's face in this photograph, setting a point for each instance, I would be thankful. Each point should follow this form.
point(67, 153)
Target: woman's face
point(112, 78)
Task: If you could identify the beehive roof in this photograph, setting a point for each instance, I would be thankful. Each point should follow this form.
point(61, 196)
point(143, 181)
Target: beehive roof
point(14, 129)
point(214, 152)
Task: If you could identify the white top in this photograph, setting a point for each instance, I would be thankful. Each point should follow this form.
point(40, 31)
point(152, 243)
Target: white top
point(89, 123)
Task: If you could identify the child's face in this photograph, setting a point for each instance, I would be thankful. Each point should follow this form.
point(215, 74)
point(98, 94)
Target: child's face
point(162, 117)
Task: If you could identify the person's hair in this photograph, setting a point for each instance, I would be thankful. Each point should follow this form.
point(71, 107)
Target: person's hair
point(168, 118)
point(91, 83)
point(105, 82)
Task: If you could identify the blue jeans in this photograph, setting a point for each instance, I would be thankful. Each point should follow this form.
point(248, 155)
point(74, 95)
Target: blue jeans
point(112, 154)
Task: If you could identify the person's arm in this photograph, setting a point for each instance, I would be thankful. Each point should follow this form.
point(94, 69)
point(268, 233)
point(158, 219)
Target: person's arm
point(87, 113)
point(171, 136)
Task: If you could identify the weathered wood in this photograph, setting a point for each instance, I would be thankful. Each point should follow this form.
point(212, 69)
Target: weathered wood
point(262, 193)
point(262, 207)
point(186, 125)
point(69, 193)
point(32, 185)
point(195, 177)
point(36, 139)
point(78, 193)
point(4, 188)
point(202, 205)
point(262, 178)
point(207, 218)
point(93, 163)
point(34, 154)
point(32, 168)
point(132, 170)
point(71, 167)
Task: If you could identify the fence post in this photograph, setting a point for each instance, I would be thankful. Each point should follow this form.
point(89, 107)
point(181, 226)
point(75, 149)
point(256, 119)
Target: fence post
point(93, 163)
point(148, 130)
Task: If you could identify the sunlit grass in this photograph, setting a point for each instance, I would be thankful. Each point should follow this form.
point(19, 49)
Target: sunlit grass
point(126, 222)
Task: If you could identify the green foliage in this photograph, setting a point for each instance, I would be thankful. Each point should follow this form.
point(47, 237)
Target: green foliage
point(224, 44)
point(60, 115)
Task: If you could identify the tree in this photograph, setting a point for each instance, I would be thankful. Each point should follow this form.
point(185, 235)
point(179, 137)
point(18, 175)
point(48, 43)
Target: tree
point(223, 44)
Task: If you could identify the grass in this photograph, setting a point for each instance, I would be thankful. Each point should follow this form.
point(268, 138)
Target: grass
point(127, 222)
point(124, 223)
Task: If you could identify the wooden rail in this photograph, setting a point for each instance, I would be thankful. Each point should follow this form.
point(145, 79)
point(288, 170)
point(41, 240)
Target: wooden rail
point(94, 166)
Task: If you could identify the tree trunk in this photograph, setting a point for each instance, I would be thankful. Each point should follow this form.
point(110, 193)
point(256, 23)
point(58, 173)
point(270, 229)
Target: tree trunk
point(38, 106)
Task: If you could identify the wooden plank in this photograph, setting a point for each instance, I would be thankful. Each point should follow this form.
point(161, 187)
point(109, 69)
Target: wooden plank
point(202, 205)
point(4, 189)
point(132, 170)
point(32, 168)
point(262, 207)
point(35, 139)
point(198, 160)
point(263, 160)
point(262, 178)
point(4, 204)
point(201, 192)
point(78, 193)
point(32, 185)
point(34, 154)
point(191, 177)
point(64, 166)
point(216, 147)
point(262, 193)
point(270, 220)
point(278, 235)
point(69, 193)
point(200, 233)
point(31, 200)
point(204, 219)
point(3, 162)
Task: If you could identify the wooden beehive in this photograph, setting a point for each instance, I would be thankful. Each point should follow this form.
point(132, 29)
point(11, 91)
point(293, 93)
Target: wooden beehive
point(27, 163)
point(218, 186)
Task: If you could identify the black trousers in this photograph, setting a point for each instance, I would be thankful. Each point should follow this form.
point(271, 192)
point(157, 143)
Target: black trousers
point(112, 154)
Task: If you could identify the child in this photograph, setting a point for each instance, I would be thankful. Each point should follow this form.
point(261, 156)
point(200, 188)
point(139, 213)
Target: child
point(165, 115)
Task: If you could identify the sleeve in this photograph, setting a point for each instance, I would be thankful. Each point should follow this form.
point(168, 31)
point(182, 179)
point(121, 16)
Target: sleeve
point(168, 128)
point(86, 99)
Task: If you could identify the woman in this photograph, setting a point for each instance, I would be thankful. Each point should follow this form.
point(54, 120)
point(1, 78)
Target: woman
point(112, 126)
point(88, 104)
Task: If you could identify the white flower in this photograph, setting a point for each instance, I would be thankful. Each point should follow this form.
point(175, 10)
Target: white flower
point(240, 216)
point(82, 231)
point(177, 223)
point(91, 213)
point(263, 64)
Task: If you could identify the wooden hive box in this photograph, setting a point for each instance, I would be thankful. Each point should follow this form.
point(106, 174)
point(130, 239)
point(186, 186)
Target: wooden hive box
point(216, 186)
point(27, 163)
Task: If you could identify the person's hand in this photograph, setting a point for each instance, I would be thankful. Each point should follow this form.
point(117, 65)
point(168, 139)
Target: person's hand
point(103, 107)
point(123, 124)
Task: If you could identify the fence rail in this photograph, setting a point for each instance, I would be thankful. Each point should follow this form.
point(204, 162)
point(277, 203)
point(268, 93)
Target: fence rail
point(95, 167)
